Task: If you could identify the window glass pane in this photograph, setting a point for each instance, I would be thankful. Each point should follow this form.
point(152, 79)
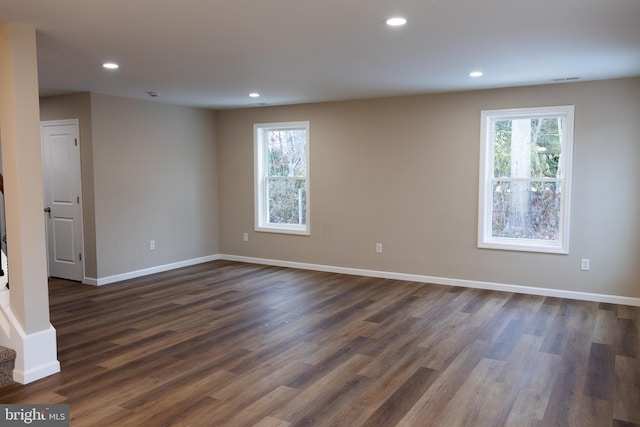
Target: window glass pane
point(527, 148)
point(526, 210)
point(546, 147)
point(287, 152)
point(286, 200)
point(502, 148)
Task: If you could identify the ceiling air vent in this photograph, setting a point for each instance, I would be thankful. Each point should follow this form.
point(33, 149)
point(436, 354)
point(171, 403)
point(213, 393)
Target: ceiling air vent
point(565, 79)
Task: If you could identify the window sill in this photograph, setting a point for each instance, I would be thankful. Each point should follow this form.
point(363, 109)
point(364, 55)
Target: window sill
point(523, 245)
point(302, 231)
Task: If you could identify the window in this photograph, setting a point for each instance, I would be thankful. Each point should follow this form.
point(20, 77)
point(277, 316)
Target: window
point(282, 177)
point(525, 173)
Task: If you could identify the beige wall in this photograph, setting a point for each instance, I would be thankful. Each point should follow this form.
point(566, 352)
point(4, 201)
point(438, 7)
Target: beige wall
point(404, 172)
point(155, 178)
point(148, 173)
point(78, 106)
point(400, 171)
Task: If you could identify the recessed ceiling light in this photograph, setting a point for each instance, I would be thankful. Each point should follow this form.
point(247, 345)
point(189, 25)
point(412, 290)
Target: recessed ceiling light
point(396, 21)
point(110, 65)
point(476, 74)
point(254, 95)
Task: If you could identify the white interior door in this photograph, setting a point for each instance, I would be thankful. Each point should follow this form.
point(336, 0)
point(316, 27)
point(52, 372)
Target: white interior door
point(62, 191)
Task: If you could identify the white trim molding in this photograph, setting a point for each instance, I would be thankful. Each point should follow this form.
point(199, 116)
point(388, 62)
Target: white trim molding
point(37, 355)
point(147, 271)
point(530, 290)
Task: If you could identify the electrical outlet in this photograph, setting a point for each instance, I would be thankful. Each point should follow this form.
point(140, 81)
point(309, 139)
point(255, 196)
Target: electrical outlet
point(378, 248)
point(585, 264)
point(152, 245)
point(245, 237)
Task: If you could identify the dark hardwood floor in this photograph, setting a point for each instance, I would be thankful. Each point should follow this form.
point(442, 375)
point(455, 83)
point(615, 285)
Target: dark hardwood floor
point(232, 344)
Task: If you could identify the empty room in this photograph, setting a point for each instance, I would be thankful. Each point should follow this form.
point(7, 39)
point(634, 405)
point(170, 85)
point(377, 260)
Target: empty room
point(320, 213)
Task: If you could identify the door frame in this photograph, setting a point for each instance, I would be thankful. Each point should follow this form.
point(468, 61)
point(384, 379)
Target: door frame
point(66, 122)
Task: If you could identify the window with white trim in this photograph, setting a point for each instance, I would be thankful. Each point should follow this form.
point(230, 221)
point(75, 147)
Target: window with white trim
point(282, 177)
point(525, 179)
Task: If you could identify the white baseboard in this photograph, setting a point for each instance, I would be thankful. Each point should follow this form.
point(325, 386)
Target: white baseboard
point(36, 353)
point(146, 271)
point(531, 290)
point(42, 371)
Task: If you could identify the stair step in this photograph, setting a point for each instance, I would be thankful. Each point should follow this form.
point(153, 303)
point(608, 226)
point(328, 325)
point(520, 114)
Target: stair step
point(7, 363)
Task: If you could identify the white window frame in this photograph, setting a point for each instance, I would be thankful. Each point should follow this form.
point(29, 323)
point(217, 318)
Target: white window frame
point(260, 170)
point(485, 238)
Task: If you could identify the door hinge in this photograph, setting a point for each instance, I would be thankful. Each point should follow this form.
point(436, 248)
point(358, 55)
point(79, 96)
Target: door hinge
point(76, 141)
point(78, 199)
point(80, 257)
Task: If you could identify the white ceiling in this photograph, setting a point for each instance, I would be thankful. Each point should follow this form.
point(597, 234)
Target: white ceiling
point(212, 53)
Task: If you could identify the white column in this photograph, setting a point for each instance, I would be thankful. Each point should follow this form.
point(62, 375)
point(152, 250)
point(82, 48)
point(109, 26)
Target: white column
point(33, 336)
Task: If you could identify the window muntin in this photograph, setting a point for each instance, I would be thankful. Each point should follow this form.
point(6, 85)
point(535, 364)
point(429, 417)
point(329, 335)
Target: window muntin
point(525, 177)
point(282, 177)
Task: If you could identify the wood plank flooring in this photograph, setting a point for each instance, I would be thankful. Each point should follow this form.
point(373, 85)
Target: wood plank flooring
point(233, 344)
